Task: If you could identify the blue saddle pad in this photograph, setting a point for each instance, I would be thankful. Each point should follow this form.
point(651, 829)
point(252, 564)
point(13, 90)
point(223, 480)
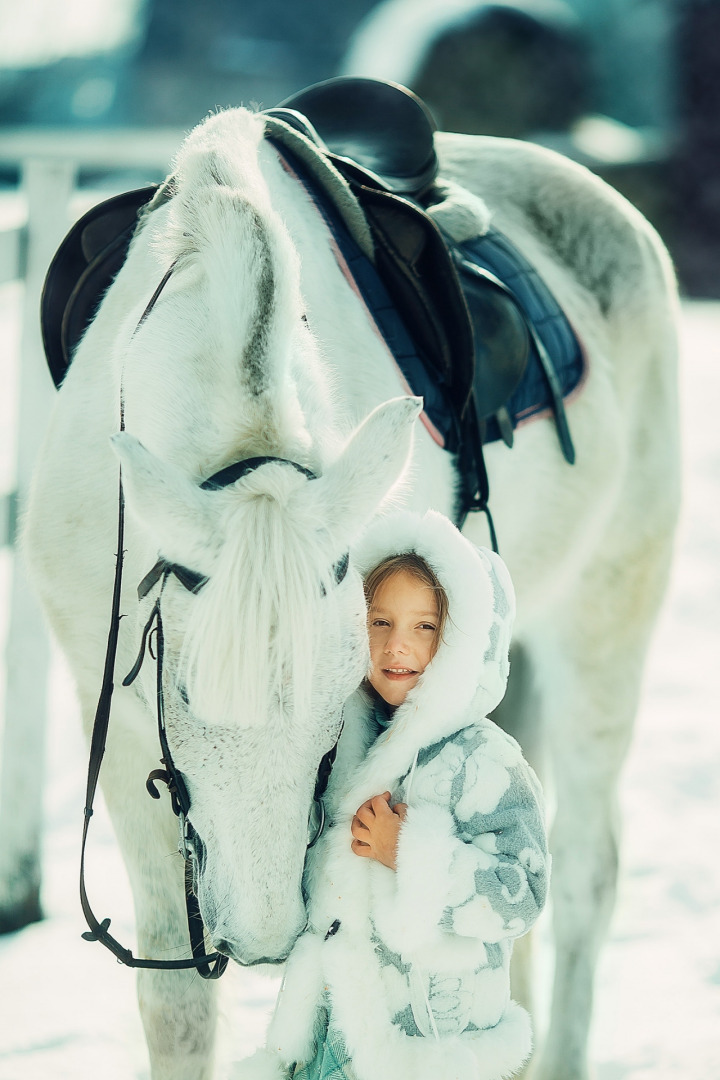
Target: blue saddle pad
point(494, 252)
point(549, 326)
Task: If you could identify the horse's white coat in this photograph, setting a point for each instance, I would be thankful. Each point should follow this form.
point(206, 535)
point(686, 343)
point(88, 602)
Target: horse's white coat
point(226, 368)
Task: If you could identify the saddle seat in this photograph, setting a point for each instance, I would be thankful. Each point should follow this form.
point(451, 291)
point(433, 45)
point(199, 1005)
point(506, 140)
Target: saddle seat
point(381, 127)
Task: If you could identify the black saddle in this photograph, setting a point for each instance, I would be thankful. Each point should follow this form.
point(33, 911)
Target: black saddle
point(468, 327)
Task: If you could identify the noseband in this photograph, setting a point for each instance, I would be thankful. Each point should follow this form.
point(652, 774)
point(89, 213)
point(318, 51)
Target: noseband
point(191, 579)
point(209, 966)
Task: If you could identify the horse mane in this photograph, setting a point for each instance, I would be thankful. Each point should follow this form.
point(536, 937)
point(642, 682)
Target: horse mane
point(252, 642)
point(221, 222)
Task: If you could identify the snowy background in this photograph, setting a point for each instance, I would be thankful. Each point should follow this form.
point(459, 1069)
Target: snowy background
point(67, 1010)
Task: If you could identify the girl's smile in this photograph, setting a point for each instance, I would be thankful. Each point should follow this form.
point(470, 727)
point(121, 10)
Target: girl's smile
point(402, 624)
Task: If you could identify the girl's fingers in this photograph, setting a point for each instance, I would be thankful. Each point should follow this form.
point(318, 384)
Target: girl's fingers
point(369, 802)
point(365, 813)
point(357, 828)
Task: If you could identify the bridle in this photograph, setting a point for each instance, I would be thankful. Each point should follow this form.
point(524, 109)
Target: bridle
point(209, 966)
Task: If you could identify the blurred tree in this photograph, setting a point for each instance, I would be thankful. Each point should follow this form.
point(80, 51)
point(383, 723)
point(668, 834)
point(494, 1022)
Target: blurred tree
point(696, 164)
point(509, 67)
point(231, 52)
point(506, 71)
point(184, 60)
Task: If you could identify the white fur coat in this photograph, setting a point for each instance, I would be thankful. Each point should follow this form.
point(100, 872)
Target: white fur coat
point(413, 965)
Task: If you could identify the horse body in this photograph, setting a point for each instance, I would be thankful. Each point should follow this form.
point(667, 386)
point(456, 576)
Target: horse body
point(226, 368)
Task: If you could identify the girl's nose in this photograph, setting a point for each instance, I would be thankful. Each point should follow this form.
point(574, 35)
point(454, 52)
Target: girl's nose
point(396, 644)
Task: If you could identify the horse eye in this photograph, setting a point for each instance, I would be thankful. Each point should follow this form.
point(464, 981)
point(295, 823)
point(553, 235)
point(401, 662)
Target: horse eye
point(340, 568)
point(190, 579)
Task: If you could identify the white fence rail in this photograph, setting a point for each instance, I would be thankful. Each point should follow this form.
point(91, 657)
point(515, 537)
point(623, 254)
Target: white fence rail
point(31, 227)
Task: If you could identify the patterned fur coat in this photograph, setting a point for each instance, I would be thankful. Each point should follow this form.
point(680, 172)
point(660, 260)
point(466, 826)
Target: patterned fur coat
point(414, 964)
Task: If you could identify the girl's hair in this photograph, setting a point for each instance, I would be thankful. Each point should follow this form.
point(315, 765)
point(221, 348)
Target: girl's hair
point(409, 563)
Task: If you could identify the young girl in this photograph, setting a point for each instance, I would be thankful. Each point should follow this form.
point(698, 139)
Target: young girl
point(435, 858)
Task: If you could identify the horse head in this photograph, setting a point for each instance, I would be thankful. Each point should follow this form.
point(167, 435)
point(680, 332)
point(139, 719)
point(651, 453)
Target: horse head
point(259, 660)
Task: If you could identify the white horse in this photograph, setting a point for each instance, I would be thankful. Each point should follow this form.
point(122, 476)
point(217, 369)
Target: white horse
point(257, 664)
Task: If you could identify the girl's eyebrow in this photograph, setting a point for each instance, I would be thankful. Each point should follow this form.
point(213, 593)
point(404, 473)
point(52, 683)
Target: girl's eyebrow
point(382, 611)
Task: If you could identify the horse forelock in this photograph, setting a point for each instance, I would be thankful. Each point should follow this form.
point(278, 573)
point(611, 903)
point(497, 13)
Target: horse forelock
point(251, 645)
point(223, 150)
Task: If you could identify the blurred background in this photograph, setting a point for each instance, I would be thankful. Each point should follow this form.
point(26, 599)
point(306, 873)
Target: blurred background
point(630, 88)
point(95, 97)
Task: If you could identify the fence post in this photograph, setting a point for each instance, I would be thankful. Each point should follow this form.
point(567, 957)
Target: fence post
point(48, 184)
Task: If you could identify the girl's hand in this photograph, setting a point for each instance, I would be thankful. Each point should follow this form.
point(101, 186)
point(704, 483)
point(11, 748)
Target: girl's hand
point(375, 829)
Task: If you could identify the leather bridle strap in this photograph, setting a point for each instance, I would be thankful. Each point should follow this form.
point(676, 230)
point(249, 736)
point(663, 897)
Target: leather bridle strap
point(208, 967)
point(99, 931)
point(473, 451)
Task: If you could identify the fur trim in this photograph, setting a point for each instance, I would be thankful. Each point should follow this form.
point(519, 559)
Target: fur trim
point(379, 1048)
point(291, 1032)
point(262, 1065)
point(424, 857)
point(473, 655)
point(460, 214)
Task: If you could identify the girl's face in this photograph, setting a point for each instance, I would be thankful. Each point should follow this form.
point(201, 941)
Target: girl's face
point(402, 624)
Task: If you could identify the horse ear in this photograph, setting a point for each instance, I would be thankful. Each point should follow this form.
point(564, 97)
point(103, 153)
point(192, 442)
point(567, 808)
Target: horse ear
point(370, 464)
point(171, 506)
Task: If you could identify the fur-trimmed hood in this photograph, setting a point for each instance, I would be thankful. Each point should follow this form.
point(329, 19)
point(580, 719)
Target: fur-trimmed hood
point(472, 657)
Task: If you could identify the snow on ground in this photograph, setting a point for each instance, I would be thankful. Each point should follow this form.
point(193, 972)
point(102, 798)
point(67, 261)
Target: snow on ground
point(67, 1010)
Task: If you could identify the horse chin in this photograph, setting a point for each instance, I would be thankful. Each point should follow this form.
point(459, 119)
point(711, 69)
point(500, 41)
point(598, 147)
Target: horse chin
point(248, 958)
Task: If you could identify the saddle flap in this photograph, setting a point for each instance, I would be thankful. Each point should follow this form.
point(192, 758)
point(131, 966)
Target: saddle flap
point(415, 264)
point(81, 270)
point(106, 222)
point(91, 286)
point(502, 343)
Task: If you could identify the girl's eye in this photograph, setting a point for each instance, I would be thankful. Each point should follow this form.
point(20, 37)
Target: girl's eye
point(427, 626)
point(379, 622)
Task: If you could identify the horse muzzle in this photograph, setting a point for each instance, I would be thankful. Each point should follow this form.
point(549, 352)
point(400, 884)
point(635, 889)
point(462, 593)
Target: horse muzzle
point(246, 957)
point(263, 949)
